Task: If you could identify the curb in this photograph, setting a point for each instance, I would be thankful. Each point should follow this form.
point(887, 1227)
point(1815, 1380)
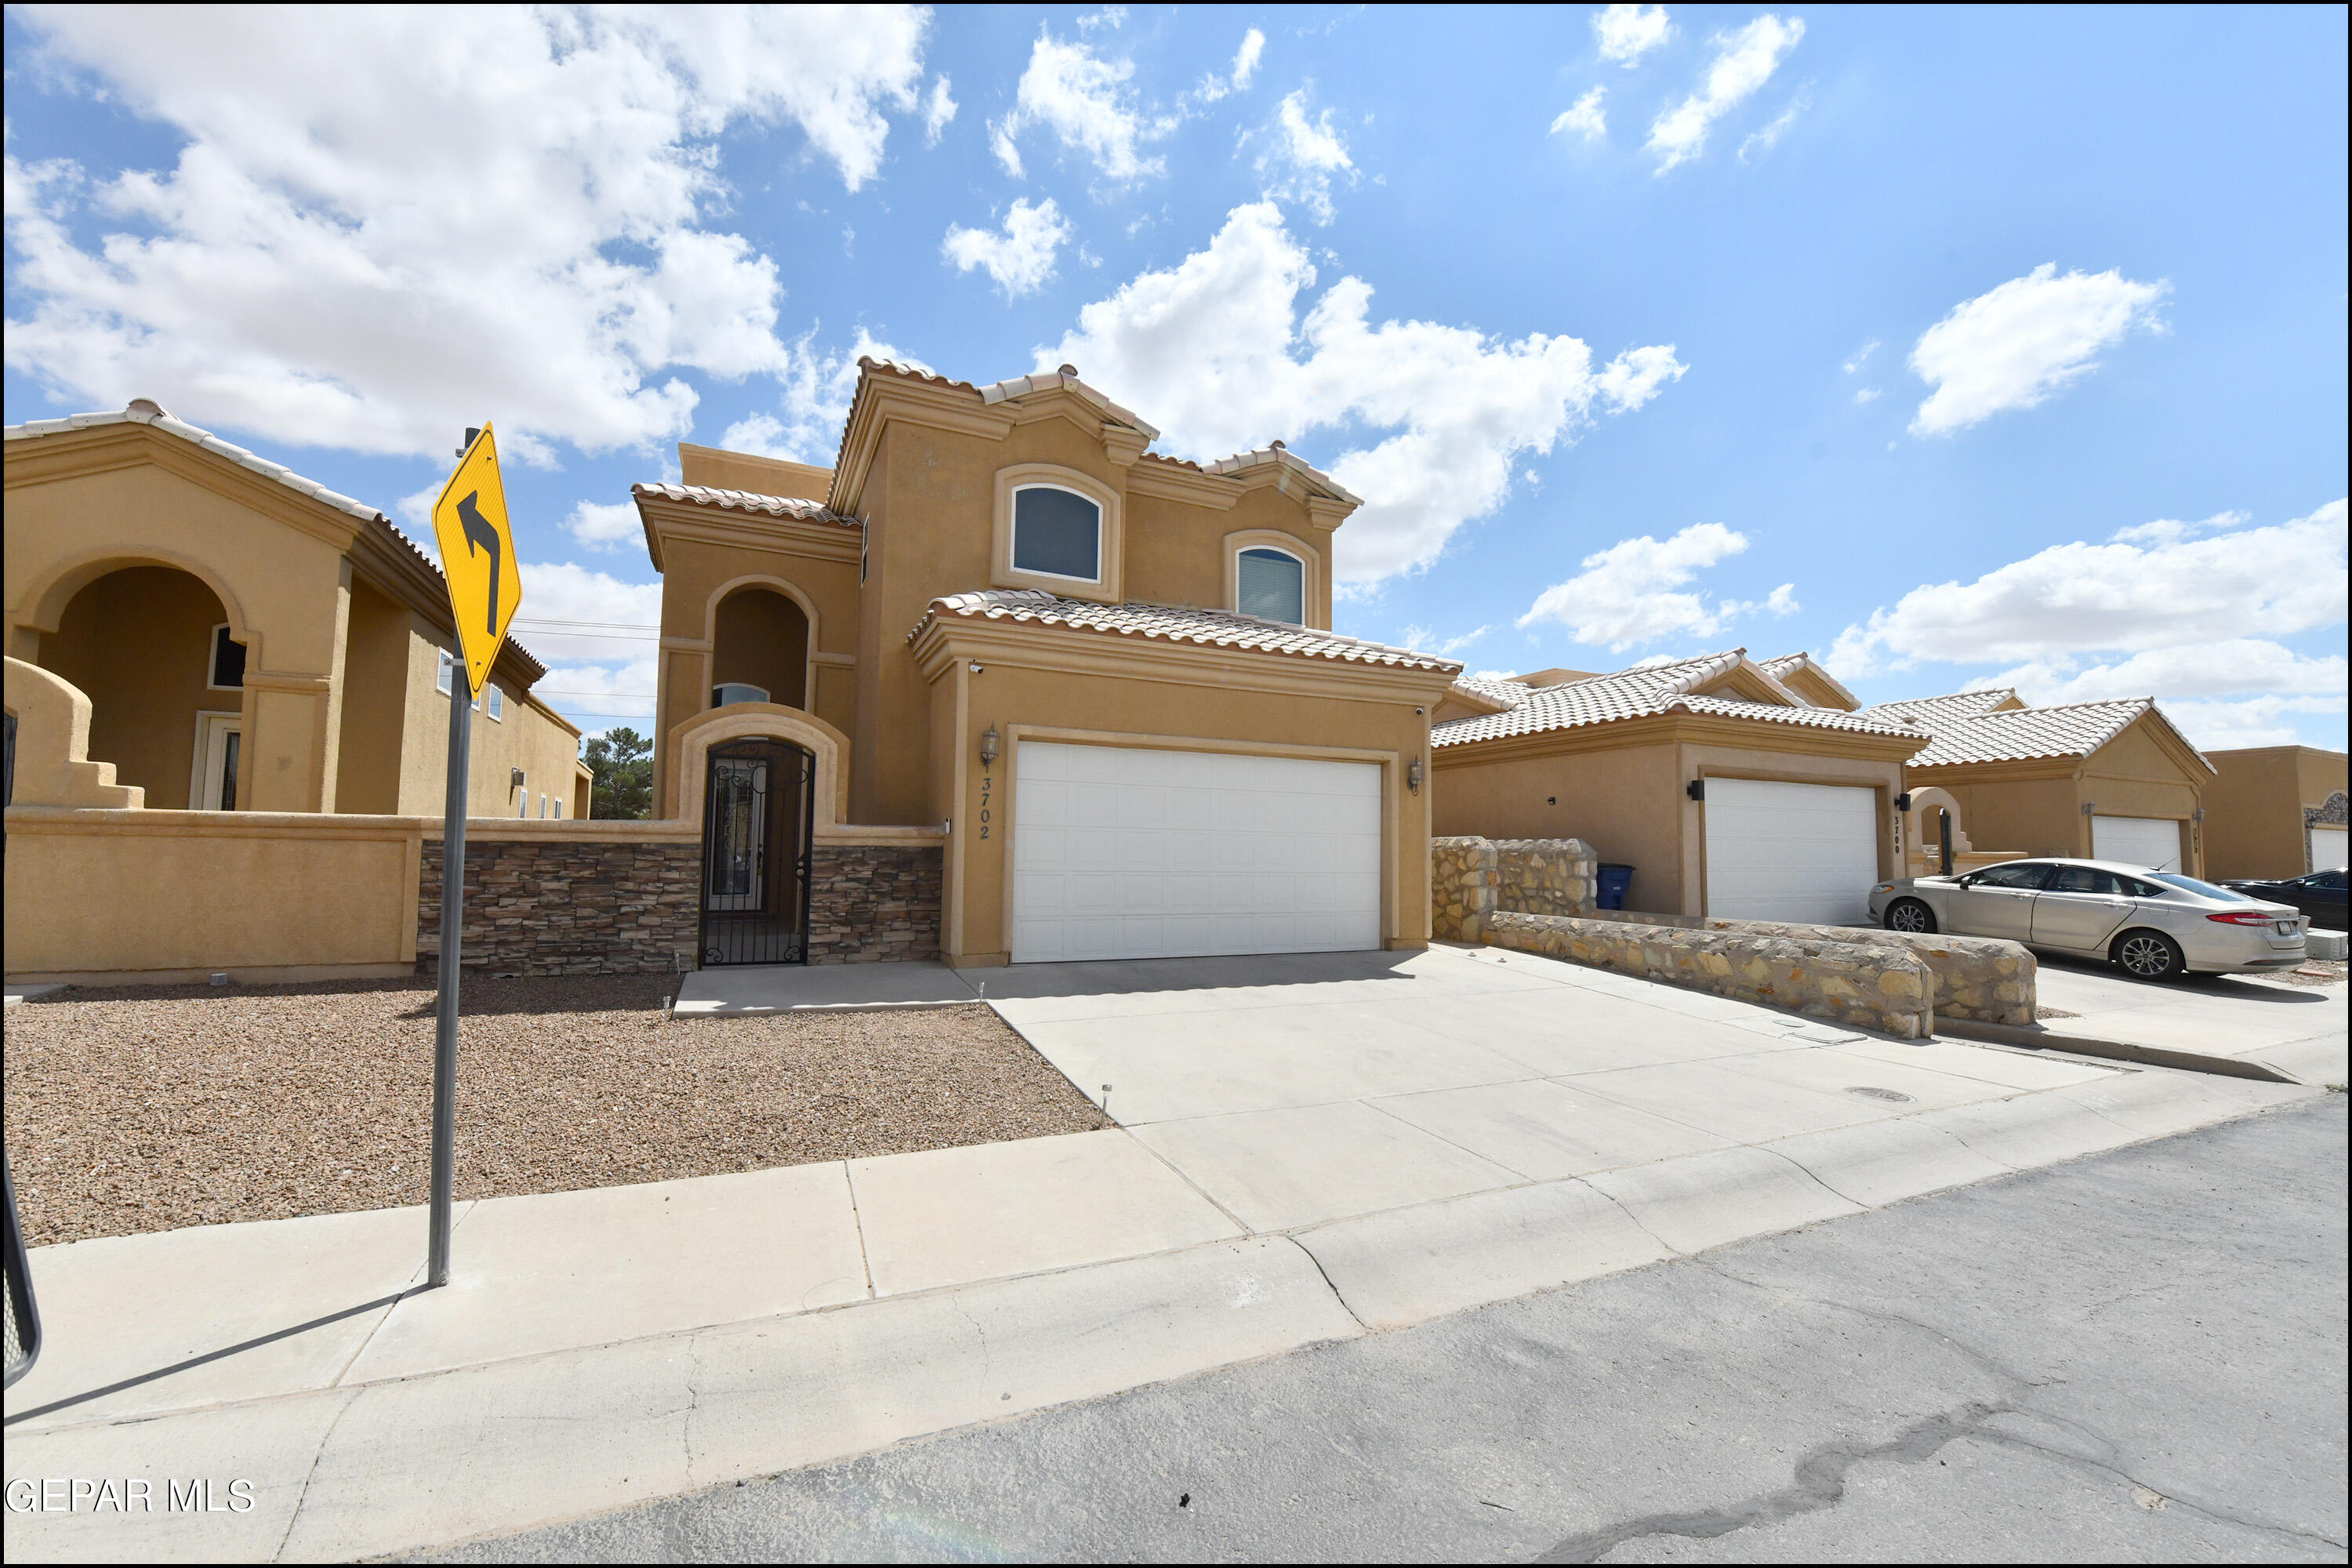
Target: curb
point(2040, 1040)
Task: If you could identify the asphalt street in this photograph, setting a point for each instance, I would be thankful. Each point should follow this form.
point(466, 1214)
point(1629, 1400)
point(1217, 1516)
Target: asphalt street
point(2136, 1356)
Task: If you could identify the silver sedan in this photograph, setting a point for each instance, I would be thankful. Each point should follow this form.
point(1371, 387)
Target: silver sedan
point(2153, 924)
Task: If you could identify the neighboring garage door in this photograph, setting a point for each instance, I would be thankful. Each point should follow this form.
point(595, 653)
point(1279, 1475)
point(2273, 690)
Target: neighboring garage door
point(1790, 851)
point(2327, 847)
point(1122, 852)
point(2150, 841)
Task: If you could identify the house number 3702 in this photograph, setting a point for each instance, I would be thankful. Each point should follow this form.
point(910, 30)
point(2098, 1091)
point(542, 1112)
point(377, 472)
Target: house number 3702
point(987, 789)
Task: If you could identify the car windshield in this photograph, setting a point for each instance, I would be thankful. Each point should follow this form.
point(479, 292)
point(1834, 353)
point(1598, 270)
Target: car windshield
point(2203, 890)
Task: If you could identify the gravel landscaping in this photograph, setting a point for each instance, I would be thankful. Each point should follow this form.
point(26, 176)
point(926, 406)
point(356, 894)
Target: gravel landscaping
point(158, 1107)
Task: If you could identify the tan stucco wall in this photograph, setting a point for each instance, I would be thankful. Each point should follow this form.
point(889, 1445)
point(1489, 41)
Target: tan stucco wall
point(375, 704)
point(138, 643)
point(2038, 809)
point(1625, 801)
point(2254, 810)
point(527, 737)
point(82, 504)
point(251, 893)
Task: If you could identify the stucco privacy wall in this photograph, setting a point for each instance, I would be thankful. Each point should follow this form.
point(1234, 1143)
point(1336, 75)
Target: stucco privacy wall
point(1865, 985)
point(619, 897)
point(1974, 977)
point(98, 896)
point(1470, 878)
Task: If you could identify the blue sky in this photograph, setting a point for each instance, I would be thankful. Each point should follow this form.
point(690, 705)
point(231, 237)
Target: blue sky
point(1957, 347)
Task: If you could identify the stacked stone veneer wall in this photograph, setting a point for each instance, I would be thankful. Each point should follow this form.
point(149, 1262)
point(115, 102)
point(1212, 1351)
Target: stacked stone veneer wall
point(1473, 879)
point(545, 906)
point(1979, 978)
point(873, 903)
point(1867, 985)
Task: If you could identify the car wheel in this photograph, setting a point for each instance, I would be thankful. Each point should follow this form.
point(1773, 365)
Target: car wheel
point(2148, 955)
point(1911, 917)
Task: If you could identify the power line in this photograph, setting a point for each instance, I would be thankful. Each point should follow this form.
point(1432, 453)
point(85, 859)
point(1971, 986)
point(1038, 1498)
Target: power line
point(624, 696)
point(613, 626)
point(537, 632)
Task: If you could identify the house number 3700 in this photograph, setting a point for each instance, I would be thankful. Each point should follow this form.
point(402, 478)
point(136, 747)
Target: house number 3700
point(987, 785)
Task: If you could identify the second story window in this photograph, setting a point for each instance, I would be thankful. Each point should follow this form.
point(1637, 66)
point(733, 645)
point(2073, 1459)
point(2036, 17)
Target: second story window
point(1272, 586)
point(1056, 533)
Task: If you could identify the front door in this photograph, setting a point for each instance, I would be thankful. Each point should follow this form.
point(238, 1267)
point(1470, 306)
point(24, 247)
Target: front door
point(755, 853)
point(212, 783)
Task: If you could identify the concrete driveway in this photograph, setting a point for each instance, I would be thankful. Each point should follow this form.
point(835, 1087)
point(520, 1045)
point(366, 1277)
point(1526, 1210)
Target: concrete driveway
point(2297, 1030)
point(1299, 1090)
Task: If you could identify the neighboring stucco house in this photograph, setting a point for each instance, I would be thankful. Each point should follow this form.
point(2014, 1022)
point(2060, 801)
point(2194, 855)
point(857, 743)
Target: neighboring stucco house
point(1727, 790)
point(248, 639)
point(2274, 811)
point(1002, 650)
point(2110, 780)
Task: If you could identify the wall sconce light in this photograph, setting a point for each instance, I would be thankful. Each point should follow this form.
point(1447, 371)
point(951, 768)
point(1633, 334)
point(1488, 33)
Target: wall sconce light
point(2090, 808)
point(1413, 775)
point(1903, 801)
point(514, 778)
point(1695, 789)
point(988, 744)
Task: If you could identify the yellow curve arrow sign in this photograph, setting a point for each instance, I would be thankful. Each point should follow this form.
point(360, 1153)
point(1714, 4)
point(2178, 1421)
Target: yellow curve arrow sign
point(477, 556)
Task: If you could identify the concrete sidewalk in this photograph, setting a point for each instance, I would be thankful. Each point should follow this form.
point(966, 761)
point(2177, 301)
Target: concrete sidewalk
point(1313, 1149)
point(2297, 1031)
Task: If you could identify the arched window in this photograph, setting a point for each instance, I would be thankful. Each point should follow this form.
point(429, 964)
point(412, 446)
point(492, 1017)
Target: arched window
point(1271, 584)
point(1056, 533)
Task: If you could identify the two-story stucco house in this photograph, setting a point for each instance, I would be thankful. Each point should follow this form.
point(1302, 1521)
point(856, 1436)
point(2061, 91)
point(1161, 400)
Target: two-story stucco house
point(1094, 686)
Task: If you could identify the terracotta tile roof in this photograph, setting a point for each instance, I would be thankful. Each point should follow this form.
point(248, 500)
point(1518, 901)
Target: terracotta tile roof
point(1509, 693)
point(1789, 664)
point(1022, 386)
point(1243, 462)
point(1643, 692)
point(145, 411)
point(1173, 623)
point(745, 500)
point(2025, 734)
point(1932, 711)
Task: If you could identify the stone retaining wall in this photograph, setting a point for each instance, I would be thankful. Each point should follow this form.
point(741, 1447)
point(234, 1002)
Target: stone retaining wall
point(1868, 986)
point(873, 903)
point(1472, 879)
point(1976, 978)
point(549, 906)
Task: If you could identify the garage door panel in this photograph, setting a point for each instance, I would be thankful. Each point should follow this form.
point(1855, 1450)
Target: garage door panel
point(2328, 845)
point(1790, 851)
point(1128, 852)
point(2150, 841)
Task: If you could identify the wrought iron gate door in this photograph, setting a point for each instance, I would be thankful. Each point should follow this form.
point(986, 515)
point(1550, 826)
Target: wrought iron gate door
point(755, 853)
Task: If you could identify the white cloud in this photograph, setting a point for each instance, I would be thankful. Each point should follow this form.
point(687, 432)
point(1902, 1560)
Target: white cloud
point(1584, 117)
point(1305, 157)
point(1632, 593)
point(1019, 257)
point(1744, 61)
point(1084, 101)
point(2167, 531)
point(1626, 33)
point(1861, 355)
point(2227, 668)
point(817, 387)
point(601, 526)
point(1247, 58)
point(938, 109)
point(1213, 352)
point(1421, 639)
point(367, 200)
point(2252, 722)
point(1762, 141)
point(1867, 393)
point(590, 659)
point(2080, 599)
point(1112, 16)
point(2015, 345)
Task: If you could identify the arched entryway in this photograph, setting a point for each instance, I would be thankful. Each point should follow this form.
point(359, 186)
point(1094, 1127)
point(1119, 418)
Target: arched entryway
point(150, 647)
point(760, 640)
point(757, 820)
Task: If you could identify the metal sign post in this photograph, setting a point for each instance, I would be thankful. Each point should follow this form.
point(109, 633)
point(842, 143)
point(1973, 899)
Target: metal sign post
point(453, 922)
point(478, 553)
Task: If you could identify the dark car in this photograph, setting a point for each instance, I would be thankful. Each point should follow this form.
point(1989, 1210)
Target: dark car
point(2319, 894)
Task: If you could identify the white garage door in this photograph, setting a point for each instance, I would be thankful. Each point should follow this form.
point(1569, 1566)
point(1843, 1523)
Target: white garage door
point(2150, 841)
point(1120, 852)
point(2327, 847)
point(1790, 851)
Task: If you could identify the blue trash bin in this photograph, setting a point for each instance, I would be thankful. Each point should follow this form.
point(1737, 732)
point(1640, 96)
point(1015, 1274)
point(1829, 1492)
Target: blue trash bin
point(1614, 880)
